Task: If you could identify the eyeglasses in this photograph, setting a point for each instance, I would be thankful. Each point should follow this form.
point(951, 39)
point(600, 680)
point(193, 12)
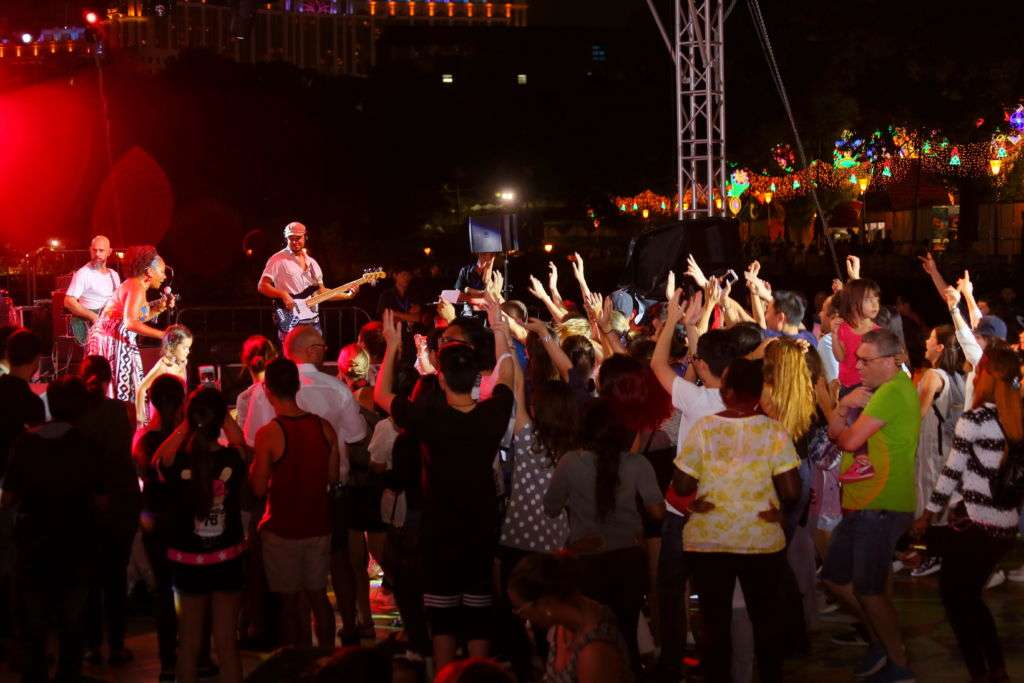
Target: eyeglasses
point(861, 360)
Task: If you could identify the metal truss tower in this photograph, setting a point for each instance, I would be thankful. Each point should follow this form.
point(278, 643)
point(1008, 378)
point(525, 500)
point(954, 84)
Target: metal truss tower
point(697, 50)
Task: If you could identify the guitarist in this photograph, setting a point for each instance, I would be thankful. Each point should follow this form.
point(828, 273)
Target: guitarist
point(91, 288)
point(292, 271)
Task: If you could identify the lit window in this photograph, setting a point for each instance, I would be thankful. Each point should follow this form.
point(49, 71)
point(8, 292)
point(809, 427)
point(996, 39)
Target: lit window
point(521, 79)
point(447, 79)
point(597, 53)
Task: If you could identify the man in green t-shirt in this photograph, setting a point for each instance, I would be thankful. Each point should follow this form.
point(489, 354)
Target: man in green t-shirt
point(879, 509)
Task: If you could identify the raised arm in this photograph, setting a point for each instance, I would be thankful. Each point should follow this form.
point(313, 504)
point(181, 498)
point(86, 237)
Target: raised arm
point(503, 355)
point(581, 278)
point(392, 331)
point(964, 334)
point(558, 357)
point(932, 268)
point(660, 358)
point(966, 288)
point(557, 312)
point(556, 296)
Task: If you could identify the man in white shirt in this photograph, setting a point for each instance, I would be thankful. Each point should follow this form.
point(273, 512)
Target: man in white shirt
point(292, 271)
point(91, 286)
point(320, 394)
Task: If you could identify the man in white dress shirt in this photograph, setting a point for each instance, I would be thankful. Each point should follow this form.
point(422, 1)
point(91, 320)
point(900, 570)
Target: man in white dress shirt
point(92, 285)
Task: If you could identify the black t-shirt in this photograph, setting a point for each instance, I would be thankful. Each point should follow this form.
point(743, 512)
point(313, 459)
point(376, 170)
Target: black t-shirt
point(222, 527)
point(107, 424)
point(459, 449)
point(19, 407)
point(470, 277)
point(390, 298)
point(155, 497)
point(55, 475)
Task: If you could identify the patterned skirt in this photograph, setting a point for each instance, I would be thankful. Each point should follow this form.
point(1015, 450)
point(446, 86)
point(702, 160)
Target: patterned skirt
point(112, 340)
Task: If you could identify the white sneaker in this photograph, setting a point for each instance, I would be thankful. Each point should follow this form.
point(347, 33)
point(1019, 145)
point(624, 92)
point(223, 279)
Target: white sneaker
point(1016, 575)
point(998, 578)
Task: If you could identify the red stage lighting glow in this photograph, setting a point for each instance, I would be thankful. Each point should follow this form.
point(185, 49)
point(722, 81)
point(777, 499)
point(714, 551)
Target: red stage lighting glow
point(91, 18)
point(26, 38)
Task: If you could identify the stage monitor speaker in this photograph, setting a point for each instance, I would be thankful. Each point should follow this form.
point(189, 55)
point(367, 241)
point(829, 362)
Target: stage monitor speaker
point(713, 242)
point(493, 234)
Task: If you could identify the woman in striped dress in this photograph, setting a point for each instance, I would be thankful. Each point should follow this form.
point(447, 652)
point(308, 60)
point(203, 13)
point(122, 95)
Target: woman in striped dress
point(981, 529)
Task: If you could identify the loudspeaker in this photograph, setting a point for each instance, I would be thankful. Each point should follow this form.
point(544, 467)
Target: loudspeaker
point(493, 234)
point(713, 242)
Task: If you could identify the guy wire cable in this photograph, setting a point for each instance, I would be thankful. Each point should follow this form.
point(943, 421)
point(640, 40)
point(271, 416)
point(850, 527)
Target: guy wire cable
point(766, 45)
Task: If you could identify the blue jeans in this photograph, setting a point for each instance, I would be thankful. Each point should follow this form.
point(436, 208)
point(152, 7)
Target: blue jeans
point(862, 547)
point(673, 571)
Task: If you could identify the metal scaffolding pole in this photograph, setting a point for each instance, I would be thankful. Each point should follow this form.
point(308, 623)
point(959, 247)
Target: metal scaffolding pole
point(697, 52)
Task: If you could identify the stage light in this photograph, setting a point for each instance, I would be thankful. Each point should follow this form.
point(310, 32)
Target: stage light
point(53, 243)
point(506, 196)
point(91, 18)
point(427, 251)
point(548, 248)
point(119, 254)
point(26, 38)
point(248, 252)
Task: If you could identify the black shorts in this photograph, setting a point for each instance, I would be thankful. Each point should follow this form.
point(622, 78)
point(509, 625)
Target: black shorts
point(223, 577)
point(362, 508)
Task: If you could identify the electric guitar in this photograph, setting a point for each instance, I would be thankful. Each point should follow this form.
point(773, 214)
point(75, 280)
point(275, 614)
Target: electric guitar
point(304, 310)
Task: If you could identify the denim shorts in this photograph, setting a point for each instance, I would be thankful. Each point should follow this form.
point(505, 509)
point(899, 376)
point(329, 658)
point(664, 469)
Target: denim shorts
point(862, 548)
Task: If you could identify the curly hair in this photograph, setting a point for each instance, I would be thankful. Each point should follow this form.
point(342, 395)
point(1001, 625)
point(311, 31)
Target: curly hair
point(139, 259)
point(787, 381)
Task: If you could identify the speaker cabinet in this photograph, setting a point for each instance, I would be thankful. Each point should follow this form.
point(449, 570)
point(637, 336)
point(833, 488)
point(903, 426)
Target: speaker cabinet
point(493, 234)
point(713, 242)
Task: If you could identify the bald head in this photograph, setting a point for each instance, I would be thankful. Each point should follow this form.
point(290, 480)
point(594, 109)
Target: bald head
point(99, 250)
point(304, 345)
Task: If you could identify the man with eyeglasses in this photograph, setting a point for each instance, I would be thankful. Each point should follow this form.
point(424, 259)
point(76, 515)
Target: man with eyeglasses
point(878, 510)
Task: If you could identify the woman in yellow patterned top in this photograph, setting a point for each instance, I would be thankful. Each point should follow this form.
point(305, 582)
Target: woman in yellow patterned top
point(743, 466)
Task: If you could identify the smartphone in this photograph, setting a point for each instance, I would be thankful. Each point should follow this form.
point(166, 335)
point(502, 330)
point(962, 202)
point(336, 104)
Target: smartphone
point(730, 276)
point(208, 375)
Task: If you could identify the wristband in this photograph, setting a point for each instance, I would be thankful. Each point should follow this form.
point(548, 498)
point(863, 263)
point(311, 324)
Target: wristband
point(546, 338)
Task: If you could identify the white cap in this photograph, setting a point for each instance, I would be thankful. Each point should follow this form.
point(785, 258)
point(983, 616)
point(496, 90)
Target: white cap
point(293, 228)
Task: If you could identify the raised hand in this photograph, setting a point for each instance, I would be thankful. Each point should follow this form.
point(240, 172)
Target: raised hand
point(712, 292)
point(837, 285)
point(594, 304)
point(952, 297)
point(853, 267)
point(552, 276)
point(929, 265)
point(676, 311)
point(445, 310)
point(964, 285)
point(670, 285)
point(694, 271)
point(692, 310)
point(577, 266)
point(537, 289)
point(391, 329)
point(753, 271)
point(606, 314)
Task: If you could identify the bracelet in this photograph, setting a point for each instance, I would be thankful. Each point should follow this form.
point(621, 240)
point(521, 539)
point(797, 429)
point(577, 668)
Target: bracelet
point(546, 338)
point(501, 358)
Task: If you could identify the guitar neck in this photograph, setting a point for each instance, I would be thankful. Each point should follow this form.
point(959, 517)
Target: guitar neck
point(324, 296)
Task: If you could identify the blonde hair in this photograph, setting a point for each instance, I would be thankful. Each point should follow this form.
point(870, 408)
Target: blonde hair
point(787, 381)
point(619, 322)
point(353, 362)
point(573, 326)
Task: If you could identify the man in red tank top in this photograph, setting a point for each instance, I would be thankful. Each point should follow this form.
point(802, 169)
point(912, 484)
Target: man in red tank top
point(295, 465)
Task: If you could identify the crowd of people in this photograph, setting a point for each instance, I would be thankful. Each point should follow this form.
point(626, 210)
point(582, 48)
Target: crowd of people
point(543, 495)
